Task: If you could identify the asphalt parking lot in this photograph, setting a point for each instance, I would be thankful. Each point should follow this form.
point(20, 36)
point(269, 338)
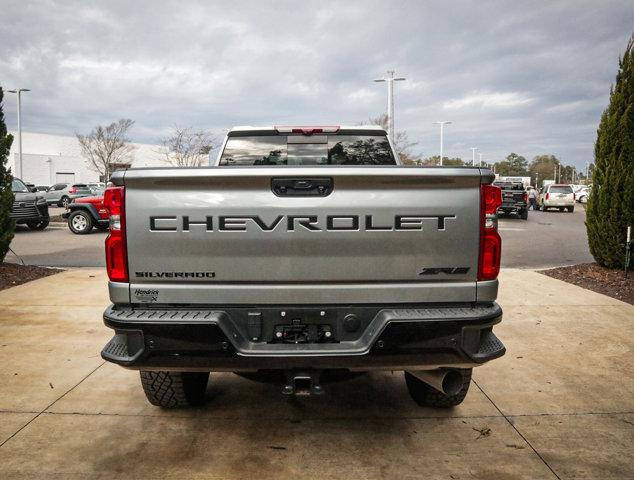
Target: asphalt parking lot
point(558, 405)
point(546, 239)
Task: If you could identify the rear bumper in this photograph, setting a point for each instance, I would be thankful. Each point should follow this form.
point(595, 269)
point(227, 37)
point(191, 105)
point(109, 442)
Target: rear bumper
point(512, 207)
point(556, 204)
point(423, 336)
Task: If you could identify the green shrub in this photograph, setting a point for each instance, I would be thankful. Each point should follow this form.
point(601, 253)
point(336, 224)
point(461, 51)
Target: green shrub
point(7, 225)
point(610, 206)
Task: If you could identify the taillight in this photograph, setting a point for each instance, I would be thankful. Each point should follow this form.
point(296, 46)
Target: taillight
point(116, 250)
point(490, 241)
point(547, 195)
point(72, 190)
point(525, 197)
point(574, 196)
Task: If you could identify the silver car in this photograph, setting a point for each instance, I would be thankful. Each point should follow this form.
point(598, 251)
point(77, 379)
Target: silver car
point(61, 194)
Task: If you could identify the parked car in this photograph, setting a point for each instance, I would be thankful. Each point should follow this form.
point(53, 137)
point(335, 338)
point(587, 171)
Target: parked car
point(97, 189)
point(85, 213)
point(29, 207)
point(42, 188)
point(61, 194)
point(583, 194)
point(514, 199)
point(557, 196)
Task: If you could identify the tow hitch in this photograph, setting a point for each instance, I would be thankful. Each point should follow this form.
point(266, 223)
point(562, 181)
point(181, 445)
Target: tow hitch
point(305, 382)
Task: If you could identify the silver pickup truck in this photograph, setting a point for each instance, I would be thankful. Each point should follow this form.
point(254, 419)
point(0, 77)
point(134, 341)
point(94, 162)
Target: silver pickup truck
point(302, 251)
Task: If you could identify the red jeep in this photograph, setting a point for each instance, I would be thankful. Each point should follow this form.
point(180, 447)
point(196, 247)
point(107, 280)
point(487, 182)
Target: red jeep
point(86, 212)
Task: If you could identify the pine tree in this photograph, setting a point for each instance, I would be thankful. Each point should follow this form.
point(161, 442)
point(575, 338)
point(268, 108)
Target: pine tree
point(7, 224)
point(611, 203)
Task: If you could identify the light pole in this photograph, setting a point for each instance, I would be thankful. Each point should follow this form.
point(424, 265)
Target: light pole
point(480, 164)
point(19, 93)
point(442, 126)
point(390, 79)
point(473, 149)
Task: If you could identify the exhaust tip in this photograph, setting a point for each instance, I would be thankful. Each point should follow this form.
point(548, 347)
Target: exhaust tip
point(452, 382)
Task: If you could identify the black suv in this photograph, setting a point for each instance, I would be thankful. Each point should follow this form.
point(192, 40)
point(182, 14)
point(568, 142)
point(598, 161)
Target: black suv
point(28, 207)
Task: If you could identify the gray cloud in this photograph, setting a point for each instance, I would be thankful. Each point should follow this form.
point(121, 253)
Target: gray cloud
point(531, 78)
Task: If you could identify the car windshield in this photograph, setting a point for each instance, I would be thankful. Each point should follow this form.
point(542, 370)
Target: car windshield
point(18, 186)
point(561, 189)
point(299, 150)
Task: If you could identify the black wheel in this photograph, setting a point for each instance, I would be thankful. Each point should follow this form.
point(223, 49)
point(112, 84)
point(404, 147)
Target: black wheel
point(543, 208)
point(102, 227)
point(64, 201)
point(524, 214)
point(80, 222)
point(38, 225)
point(571, 209)
point(427, 396)
point(174, 389)
point(561, 209)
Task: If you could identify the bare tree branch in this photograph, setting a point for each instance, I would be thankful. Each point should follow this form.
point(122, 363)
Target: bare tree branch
point(105, 148)
point(402, 143)
point(185, 147)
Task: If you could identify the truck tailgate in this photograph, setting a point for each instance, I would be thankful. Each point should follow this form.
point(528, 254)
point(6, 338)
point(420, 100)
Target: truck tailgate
point(382, 234)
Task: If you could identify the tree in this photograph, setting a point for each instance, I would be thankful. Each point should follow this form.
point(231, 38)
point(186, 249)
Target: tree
point(7, 224)
point(610, 208)
point(185, 147)
point(107, 148)
point(513, 165)
point(542, 168)
point(402, 143)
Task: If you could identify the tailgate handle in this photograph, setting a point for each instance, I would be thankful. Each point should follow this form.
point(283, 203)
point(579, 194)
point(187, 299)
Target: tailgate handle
point(302, 187)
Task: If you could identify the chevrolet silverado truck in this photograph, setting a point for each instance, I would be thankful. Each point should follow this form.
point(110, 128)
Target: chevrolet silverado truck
point(301, 251)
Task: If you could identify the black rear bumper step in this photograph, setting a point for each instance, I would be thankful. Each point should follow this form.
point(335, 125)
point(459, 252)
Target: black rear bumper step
point(217, 339)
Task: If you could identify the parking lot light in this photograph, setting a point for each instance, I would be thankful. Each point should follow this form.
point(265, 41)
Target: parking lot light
point(19, 91)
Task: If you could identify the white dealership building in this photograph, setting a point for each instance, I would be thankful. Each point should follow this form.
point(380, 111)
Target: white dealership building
point(49, 159)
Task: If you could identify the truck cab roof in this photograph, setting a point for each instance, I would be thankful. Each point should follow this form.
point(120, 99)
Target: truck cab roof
point(307, 129)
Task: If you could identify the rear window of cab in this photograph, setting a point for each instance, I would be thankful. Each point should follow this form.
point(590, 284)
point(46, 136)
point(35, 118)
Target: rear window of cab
point(301, 150)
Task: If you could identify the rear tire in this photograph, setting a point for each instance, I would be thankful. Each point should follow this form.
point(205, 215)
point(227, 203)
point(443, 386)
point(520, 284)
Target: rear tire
point(80, 222)
point(427, 396)
point(38, 225)
point(571, 209)
point(64, 201)
point(561, 209)
point(524, 214)
point(543, 208)
point(174, 389)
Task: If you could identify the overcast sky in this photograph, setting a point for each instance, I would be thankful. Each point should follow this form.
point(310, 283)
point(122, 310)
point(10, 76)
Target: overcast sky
point(527, 77)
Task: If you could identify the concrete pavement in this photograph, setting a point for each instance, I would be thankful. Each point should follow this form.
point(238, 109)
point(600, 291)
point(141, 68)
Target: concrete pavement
point(558, 405)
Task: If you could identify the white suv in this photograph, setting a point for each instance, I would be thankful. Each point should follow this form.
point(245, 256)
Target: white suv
point(557, 196)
